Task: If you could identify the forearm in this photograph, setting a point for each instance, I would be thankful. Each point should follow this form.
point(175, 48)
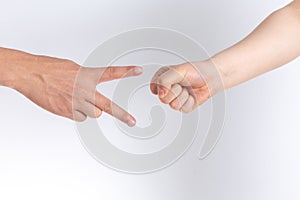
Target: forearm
point(275, 42)
point(14, 65)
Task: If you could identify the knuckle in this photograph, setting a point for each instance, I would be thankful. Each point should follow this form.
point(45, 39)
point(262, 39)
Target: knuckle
point(111, 71)
point(176, 91)
point(177, 87)
point(165, 68)
point(162, 82)
point(69, 62)
point(96, 113)
point(106, 108)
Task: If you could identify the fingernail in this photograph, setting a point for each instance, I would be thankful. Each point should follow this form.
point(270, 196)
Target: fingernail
point(138, 70)
point(131, 122)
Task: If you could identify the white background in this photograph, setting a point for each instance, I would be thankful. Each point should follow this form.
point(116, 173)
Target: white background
point(41, 156)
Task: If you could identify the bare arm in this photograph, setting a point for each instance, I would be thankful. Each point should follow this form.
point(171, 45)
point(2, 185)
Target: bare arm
point(62, 86)
point(275, 42)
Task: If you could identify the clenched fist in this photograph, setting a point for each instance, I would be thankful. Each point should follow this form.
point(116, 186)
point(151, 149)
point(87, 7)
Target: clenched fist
point(186, 86)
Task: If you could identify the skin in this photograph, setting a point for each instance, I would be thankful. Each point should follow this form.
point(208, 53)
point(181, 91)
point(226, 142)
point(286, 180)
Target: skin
point(61, 86)
point(275, 42)
point(69, 90)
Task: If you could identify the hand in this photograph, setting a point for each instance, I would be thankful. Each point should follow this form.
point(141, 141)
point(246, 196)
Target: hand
point(50, 82)
point(186, 86)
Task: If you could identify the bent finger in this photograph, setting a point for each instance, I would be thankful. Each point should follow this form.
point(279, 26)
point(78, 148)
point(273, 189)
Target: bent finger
point(177, 103)
point(166, 80)
point(172, 94)
point(189, 105)
point(153, 84)
point(79, 116)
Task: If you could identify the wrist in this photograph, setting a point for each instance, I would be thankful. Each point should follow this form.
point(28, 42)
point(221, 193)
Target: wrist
point(207, 74)
point(225, 69)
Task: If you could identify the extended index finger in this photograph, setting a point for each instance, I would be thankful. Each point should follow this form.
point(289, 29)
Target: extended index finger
point(114, 110)
point(112, 73)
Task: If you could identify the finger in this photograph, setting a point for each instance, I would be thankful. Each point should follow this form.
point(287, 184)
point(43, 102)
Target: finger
point(174, 92)
point(112, 73)
point(166, 80)
point(189, 105)
point(177, 103)
point(153, 85)
point(91, 110)
point(79, 116)
point(106, 105)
